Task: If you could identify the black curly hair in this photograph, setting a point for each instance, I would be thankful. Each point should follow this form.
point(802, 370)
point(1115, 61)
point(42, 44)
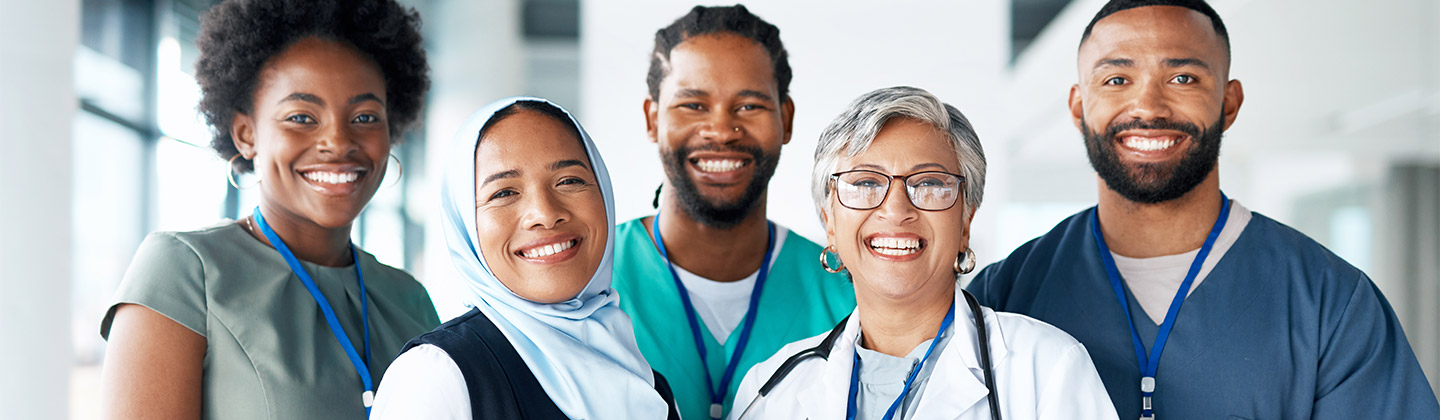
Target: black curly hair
point(704, 20)
point(237, 38)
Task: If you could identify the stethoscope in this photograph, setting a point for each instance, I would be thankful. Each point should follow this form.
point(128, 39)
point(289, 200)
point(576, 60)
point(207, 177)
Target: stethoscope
point(822, 351)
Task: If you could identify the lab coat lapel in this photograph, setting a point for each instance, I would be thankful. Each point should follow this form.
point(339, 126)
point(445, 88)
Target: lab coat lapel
point(827, 397)
point(957, 385)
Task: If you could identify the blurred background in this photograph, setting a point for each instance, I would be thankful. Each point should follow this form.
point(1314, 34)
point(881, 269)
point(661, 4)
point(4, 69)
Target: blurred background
point(100, 142)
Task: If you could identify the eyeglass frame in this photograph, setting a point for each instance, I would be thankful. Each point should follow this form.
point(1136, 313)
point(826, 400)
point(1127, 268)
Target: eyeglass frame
point(835, 177)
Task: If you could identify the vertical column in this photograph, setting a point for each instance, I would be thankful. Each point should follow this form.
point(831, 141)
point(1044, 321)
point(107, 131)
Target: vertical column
point(37, 107)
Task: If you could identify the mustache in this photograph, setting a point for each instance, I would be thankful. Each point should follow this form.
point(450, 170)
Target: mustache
point(1184, 127)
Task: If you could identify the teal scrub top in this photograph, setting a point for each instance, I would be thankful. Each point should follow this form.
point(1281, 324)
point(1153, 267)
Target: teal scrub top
point(799, 300)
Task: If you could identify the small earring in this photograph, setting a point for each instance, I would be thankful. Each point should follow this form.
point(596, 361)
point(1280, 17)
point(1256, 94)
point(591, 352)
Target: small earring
point(825, 261)
point(969, 257)
point(399, 170)
point(230, 172)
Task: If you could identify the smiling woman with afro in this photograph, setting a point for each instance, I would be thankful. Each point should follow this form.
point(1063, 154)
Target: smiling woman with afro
point(278, 315)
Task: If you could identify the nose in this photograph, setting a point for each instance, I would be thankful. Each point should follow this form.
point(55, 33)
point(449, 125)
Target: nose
point(896, 207)
point(545, 211)
point(722, 128)
point(1149, 102)
point(336, 138)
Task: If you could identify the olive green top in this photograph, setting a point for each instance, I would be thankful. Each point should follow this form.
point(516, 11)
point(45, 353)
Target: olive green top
point(269, 353)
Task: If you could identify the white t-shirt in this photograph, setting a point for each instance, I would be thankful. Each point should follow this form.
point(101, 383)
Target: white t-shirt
point(1155, 280)
point(722, 305)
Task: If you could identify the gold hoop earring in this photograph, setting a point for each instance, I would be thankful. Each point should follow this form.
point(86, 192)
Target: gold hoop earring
point(399, 170)
point(825, 261)
point(230, 172)
point(969, 257)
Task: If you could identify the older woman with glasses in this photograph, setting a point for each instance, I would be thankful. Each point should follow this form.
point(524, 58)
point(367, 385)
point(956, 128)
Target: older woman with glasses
point(897, 179)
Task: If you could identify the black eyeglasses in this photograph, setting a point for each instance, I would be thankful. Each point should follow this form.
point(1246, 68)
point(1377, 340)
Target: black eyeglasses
point(930, 190)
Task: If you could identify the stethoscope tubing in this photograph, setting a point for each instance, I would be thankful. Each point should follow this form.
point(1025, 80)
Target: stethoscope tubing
point(822, 351)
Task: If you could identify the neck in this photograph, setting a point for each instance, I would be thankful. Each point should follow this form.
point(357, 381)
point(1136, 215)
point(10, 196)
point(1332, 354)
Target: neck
point(896, 326)
point(308, 240)
point(1141, 230)
point(725, 255)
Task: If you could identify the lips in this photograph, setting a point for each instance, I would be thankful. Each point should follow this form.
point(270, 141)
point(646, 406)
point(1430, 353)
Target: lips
point(331, 179)
point(897, 247)
point(550, 250)
point(718, 168)
point(1151, 144)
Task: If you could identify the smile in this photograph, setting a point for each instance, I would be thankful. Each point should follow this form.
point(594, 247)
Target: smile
point(331, 177)
point(548, 250)
point(895, 246)
point(718, 165)
point(1148, 144)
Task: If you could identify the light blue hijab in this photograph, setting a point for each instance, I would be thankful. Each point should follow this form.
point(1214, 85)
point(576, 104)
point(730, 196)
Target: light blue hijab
point(581, 350)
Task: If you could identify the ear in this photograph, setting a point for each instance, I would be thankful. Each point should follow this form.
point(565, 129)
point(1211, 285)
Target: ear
point(787, 115)
point(1077, 106)
point(829, 229)
point(242, 133)
point(652, 113)
point(1234, 96)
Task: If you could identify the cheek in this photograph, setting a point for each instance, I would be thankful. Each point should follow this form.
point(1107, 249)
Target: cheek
point(492, 235)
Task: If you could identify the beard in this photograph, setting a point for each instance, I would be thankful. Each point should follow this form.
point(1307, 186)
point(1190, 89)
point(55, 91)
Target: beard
point(1151, 183)
point(718, 213)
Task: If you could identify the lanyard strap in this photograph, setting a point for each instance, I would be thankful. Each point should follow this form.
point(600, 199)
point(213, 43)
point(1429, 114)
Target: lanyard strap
point(1151, 364)
point(367, 397)
point(915, 372)
point(717, 397)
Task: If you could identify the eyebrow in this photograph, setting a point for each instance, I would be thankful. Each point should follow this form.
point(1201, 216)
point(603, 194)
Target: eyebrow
point(1114, 62)
point(303, 97)
point(365, 97)
point(697, 93)
point(501, 175)
point(1186, 62)
point(561, 164)
point(913, 169)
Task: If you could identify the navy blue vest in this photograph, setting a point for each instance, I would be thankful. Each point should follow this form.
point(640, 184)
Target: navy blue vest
point(501, 385)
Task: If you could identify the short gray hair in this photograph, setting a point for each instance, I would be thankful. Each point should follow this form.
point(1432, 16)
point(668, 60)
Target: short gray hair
point(854, 129)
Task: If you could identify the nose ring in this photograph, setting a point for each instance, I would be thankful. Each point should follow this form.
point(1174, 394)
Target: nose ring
point(735, 129)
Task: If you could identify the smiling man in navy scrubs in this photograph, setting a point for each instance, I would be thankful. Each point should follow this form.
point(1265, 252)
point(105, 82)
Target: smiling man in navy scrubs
point(1270, 325)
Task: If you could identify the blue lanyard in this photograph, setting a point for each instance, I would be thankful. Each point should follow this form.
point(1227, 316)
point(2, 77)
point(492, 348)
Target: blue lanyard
point(367, 397)
point(717, 397)
point(1149, 365)
point(855, 371)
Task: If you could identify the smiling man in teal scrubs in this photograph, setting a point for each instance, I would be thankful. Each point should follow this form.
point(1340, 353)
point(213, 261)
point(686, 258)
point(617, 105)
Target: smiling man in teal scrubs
point(728, 288)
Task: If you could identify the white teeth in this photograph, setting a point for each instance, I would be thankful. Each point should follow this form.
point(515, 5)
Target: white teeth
point(722, 165)
point(895, 246)
point(548, 250)
point(332, 177)
point(1148, 144)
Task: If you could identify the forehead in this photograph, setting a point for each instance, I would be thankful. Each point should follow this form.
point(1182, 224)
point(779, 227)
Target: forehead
point(716, 61)
point(525, 137)
point(1153, 33)
point(902, 144)
point(317, 66)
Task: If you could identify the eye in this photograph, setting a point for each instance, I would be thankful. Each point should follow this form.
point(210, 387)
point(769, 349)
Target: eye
point(691, 106)
point(1116, 81)
point(502, 194)
point(573, 182)
point(366, 119)
point(300, 119)
point(866, 183)
point(751, 107)
point(929, 182)
point(1183, 79)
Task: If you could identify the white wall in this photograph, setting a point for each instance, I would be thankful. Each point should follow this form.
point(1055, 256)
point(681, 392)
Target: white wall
point(838, 50)
point(37, 108)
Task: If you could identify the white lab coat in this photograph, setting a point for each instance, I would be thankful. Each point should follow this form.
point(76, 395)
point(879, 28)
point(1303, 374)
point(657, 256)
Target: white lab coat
point(1041, 373)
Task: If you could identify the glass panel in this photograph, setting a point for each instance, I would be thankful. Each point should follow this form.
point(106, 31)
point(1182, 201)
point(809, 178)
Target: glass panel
point(190, 186)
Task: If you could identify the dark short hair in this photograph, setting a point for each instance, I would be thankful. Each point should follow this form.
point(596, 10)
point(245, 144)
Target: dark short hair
point(704, 20)
point(543, 108)
point(1116, 6)
point(237, 38)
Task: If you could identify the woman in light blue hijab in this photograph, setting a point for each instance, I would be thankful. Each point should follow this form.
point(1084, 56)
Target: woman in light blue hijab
point(528, 213)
